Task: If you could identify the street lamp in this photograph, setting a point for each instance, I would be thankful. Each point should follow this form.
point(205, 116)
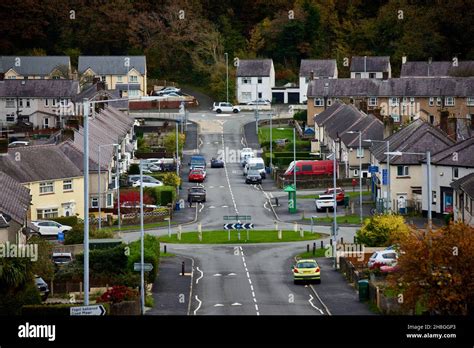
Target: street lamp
point(428, 163)
point(360, 170)
point(227, 73)
point(142, 244)
point(389, 199)
point(98, 184)
point(271, 141)
point(334, 220)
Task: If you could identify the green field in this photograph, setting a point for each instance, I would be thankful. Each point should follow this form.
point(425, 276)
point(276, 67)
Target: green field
point(137, 227)
point(278, 133)
point(306, 255)
point(255, 236)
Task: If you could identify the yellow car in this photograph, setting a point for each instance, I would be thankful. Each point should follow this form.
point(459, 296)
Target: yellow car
point(307, 269)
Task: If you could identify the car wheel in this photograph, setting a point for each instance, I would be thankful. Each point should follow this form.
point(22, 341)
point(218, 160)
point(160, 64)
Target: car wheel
point(219, 111)
point(235, 111)
point(318, 281)
point(295, 282)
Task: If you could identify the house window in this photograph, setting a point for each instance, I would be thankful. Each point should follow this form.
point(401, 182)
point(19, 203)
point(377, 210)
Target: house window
point(44, 214)
point(373, 101)
point(259, 95)
point(470, 101)
point(10, 103)
point(119, 78)
point(10, 117)
point(431, 101)
point(432, 119)
point(103, 78)
point(329, 102)
point(56, 77)
point(20, 103)
point(246, 80)
point(28, 104)
point(360, 152)
point(46, 187)
point(259, 80)
point(433, 197)
point(412, 100)
point(246, 95)
point(438, 101)
point(109, 200)
point(46, 102)
point(356, 172)
point(134, 79)
point(67, 185)
point(94, 202)
point(55, 102)
point(318, 102)
point(396, 117)
point(449, 101)
point(402, 171)
point(393, 101)
point(134, 93)
point(372, 75)
point(455, 173)
point(404, 100)
point(46, 122)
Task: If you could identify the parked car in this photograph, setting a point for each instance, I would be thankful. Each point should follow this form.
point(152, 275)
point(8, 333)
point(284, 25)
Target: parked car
point(136, 177)
point(308, 167)
point(43, 287)
point(50, 228)
point(217, 163)
point(257, 164)
point(259, 102)
point(307, 269)
point(382, 258)
point(169, 90)
point(62, 258)
point(136, 205)
point(148, 181)
point(253, 177)
point(197, 175)
point(225, 107)
point(197, 161)
point(325, 202)
point(340, 193)
point(196, 194)
point(19, 143)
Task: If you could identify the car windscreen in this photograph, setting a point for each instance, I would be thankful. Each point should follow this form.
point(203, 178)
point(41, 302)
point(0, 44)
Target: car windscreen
point(253, 172)
point(61, 259)
point(306, 265)
point(257, 166)
point(197, 190)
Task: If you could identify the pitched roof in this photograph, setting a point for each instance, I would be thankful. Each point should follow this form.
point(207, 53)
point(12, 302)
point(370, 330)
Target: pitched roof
point(38, 163)
point(437, 69)
point(465, 184)
point(92, 93)
point(320, 67)
point(15, 198)
point(254, 67)
point(371, 64)
point(408, 87)
point(39, 88)
point(419, 136)
point(464, 151)
point(33, 65)
point(111, 65)
point(340, 118)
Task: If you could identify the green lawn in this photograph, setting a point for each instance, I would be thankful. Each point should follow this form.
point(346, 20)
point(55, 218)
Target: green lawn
point(277, 133)
point(255, 236)
point(305, 255)
point(137, 227)
point(350, 194)
point(347, 219)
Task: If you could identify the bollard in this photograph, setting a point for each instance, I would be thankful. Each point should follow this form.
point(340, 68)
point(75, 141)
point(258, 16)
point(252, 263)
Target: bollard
point(314, 249)
point(200, 236)
point(307, 248)
point(330, 241)
point(276, 225)
point(301, 232)
point(199, 228)
point(179, 235)
point(280, 235)
point(322, 245)
point(238, 235)
point(342, 240)
point(164, 247)
point(182, 268)
point(295, 226)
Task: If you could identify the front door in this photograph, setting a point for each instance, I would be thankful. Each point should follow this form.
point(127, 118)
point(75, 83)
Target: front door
point(446, 200)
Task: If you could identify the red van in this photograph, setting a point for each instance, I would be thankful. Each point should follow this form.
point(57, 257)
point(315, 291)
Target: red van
point(303, 167)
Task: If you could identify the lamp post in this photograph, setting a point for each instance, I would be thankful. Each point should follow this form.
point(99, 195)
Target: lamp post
point(428, 164)
point(271, 141)
point(387, 143)
point(98, 185)
point(334, 220)
point(360, 170)
point(294, 159)
point(117, 185)
point(142, 244)
point(227, 74)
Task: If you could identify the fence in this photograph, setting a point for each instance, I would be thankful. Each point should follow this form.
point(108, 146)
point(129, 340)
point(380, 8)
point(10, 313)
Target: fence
point(314, 181)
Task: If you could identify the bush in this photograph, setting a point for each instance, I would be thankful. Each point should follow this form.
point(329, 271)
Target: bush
point(382, 230)
point(106, 261)
point(11, 302)
point(152, 255)
point(134, 169)
point(118, 294)
point(103, 233)
point(66, 220)
point(301, 145)
point(171, 179)
point(75, 236)
point(162, 194)
point(301, 115)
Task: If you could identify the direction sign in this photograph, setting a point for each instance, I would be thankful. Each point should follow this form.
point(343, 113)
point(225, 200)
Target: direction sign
point(87, 310)
point(373, 169)
point(384, 177)
point(238, 226)
point(237, 217)
point(137, 266)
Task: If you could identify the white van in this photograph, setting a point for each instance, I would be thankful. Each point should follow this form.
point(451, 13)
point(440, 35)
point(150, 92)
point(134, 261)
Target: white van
point(257, 164)
point(246, 154)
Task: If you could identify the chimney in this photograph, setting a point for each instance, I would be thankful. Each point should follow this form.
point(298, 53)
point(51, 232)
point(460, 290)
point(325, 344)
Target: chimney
point(365, 63)
point(2, 76)
point(387, 126)
point(311, 75)
point(404, 59)
point(100, 85)
point(95, 80)
point(452, 125)
point(430, 59)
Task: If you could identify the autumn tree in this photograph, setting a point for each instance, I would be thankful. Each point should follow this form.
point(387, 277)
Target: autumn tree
point(382, 230)
point(435, 270)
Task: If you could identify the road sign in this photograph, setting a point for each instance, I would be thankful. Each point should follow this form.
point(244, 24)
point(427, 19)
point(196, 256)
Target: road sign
point(237, 217)
point(384, 177)
point(61, 237)
point(137, 266)
point(87, 310)
point(238, 226)
point(373, 169)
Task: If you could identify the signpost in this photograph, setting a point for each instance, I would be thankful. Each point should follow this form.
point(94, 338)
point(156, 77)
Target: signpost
point(373, 169)
point(238, 217)
point(87, 310)
point(238, 226)
point(384, 177)
point(147, 267)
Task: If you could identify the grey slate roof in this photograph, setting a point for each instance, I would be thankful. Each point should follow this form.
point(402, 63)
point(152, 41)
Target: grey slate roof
point(437, 69)
point(373, 64)
point(39, 88)
point(340, 118)
point(14, 198)
point(398, 87)
point(38, 163)
point(91, 93)
point(33, 65)
point(320, 67)
point(254, 67)
point(419, 136)
point(111, 65)
point(465, 155)
point(465, 184)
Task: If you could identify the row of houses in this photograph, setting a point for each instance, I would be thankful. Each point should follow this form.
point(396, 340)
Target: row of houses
point(337, 129)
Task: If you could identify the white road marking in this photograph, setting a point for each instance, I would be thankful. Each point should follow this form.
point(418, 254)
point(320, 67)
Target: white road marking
point(217, 275)
point(236, 304)
point(211, 187)
point(218, 305)
point(211, 207)
point(221, 186)
point(248, 275)
point(202, 207)
point(251, 287)
point(253, 293)
point(311, 298)
point(200, 142)
point(250, 280)
point(256, 307)
point(319, 298)
point(225, 206)
point(242, 141)
point(199, 306)
point(271, 195)
point(231, 274)
point(202, 275)
point(265, 206)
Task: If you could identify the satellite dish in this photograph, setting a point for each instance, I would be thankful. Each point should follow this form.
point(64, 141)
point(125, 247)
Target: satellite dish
point(6, 217)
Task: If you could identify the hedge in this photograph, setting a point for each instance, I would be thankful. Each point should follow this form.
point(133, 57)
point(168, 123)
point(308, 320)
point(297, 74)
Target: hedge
point(162, 194)
point(301, 145)
point(52, 310)
point(108, 261)
point(152, 255)
point(66, 220)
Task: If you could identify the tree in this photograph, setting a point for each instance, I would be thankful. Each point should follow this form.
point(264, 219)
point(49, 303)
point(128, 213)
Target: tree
point(171, 179)
point(169, 142)
point(435, 270)
point(43, 265)
point(382, 230)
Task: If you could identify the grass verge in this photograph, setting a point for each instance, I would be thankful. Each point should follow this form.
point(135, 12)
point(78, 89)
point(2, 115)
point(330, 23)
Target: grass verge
point(306, 255)
point(137, 227)
point(255, 236)
point(346, 219)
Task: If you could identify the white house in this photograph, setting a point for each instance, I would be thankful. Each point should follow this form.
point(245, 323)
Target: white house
point(464, 199)
point(255, 79)
point(371, 68)
point(311, 69)
point(35, 67)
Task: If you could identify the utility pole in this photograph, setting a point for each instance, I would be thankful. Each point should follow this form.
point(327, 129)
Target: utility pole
point(86, 201)
point(334, 222)
point(142, 244)
point(294, 159)
point(117, 184)
point(227, 74)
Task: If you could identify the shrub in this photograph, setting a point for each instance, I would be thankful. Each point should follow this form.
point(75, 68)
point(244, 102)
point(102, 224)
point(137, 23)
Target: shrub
point(152, 255)
point(118, 294)
point(382, 230)
point(171, 179)
point(301, 145)
point(103, 233)
point(300, 115)
point(11, 301)
point(162, 194)
point(106, 261)
point(134, 169)
point(66, 220)
point(75, 236)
